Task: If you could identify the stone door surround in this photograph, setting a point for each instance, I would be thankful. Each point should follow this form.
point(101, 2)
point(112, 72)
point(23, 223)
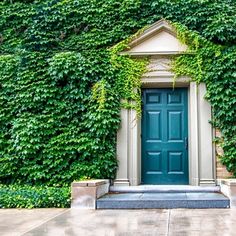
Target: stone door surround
point(159, 44)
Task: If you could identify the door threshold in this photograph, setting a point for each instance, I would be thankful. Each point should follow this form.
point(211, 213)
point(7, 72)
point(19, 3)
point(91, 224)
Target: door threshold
point(163, 189)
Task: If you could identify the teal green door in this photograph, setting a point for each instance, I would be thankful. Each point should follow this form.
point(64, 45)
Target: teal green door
point(165, 136)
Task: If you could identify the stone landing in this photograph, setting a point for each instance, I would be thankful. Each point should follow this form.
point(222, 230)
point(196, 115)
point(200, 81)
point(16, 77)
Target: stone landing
point(163, 197)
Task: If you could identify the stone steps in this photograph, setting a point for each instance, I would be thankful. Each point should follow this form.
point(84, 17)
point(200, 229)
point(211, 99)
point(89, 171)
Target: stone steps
point(156, 197)
point(164, 189)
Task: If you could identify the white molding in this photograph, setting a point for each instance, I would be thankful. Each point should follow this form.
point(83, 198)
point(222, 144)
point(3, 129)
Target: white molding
point(133, 149)
point(158, 53)
point(206, 157)
point(193, 135)
point(158, 39)
point(153, 29)
point(122, 150)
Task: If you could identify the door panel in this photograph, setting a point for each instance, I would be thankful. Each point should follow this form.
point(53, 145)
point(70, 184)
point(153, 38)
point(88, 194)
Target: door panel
point(154, 161)
point(175, 160)
point(164, 135)
point(154, 127)
point(174, 128)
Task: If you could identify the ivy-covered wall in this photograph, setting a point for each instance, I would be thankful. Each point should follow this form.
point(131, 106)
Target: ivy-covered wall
point(60, 85)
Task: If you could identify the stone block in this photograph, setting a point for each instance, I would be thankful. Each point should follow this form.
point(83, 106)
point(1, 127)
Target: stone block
point(163, 200)
point(228, 188)
point(84, 194)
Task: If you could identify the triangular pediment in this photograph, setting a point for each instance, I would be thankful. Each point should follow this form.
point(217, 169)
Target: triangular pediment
point(159, 38)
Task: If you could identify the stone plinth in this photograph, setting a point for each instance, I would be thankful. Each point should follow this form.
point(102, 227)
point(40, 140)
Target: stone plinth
point(84, 194)
point(228, 188)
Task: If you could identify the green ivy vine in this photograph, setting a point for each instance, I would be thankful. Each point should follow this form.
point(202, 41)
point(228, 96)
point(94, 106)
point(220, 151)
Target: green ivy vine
point(215, 65)
point(63, 82)
point(129, 73)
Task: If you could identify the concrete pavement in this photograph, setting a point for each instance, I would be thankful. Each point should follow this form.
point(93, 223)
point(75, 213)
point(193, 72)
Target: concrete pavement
point(73, 222)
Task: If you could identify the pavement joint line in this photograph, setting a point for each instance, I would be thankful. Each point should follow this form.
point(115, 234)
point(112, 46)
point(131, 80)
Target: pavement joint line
point(47, 220)
point(168, 223)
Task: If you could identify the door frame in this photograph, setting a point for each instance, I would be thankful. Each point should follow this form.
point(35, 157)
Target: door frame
point(201, 153)
point(135, 151)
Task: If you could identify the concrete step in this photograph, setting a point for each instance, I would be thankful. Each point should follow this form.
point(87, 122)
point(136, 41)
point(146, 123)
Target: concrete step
point(164, 189)
point(163, 200)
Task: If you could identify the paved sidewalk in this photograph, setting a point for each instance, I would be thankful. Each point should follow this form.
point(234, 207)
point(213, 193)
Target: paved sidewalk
point(72, 222)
